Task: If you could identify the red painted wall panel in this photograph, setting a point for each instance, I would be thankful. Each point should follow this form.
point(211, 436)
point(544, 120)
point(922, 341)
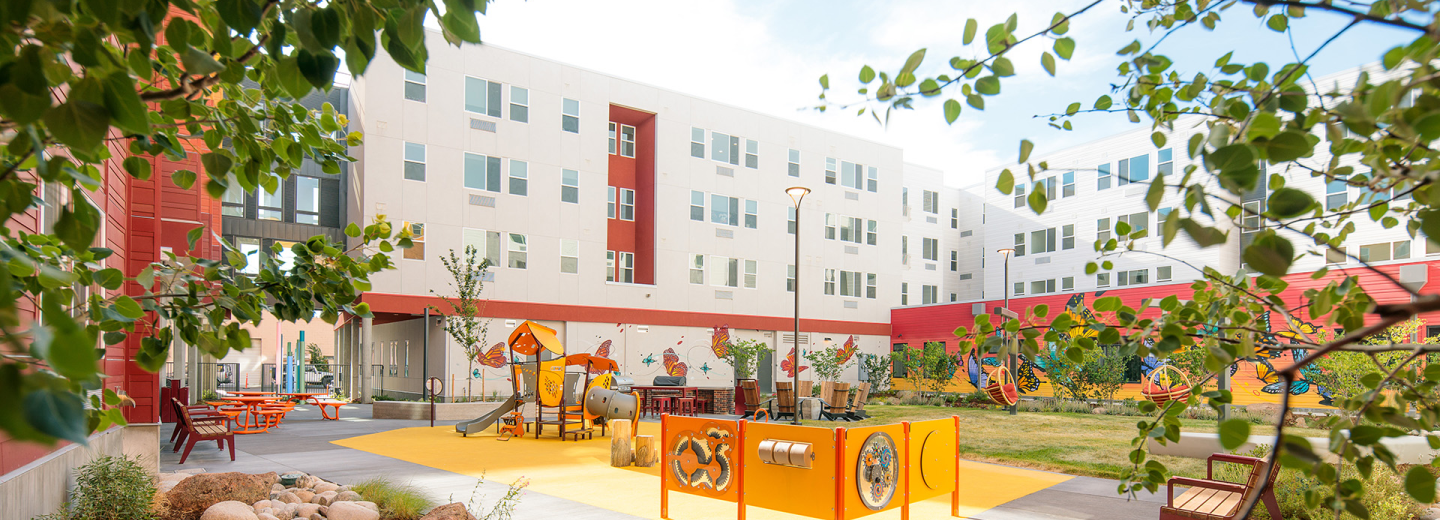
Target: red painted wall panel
point(637, 173)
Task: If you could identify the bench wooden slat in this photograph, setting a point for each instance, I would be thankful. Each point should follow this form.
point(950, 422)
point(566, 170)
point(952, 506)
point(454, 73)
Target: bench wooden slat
point(1214, 502)
point(1228, 506)
point(1195, 499)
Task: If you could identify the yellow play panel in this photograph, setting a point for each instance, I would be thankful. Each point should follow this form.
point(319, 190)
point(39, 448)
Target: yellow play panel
point(581, 471)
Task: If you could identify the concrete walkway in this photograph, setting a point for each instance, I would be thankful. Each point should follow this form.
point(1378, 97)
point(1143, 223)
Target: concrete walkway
point(303, 444)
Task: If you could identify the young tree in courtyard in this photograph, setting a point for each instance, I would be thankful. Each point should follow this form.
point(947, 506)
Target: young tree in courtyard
point(468, 280)
point(830, 362)
point(97, 86)
point(1256, 122)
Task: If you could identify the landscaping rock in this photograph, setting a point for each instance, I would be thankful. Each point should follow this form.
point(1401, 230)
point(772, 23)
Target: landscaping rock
point(277, 488)
point(326, 498)
point(192, 496)
point(229, 510)
point(282, 513)
point(326, 486)
point(317, 516)
point(451, 511)
point(343, 489)
point(308, 481)
point(267, 516)
point(288, 498)
point(367, 505)
point(304, 495)
point(1430, 514)
point(352, 511)
point(261, 505)
point(305, 510)
point(346, 496)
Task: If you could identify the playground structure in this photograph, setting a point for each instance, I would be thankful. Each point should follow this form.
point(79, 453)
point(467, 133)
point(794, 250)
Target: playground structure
point(542, 378)
point(837, 474)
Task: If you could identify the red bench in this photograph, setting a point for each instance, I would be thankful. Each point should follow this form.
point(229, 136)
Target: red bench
point(1209, 499)
point(204, 428)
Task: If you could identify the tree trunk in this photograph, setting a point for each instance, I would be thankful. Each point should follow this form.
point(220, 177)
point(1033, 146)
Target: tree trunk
point(621, 454)
point(647, 450)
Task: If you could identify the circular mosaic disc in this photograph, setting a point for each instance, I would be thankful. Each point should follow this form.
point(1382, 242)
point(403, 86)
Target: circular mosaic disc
point(877, 471)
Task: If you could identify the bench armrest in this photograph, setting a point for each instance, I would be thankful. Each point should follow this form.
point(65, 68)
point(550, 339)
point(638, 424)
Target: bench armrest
point(1195, 482)
point(1226, 457)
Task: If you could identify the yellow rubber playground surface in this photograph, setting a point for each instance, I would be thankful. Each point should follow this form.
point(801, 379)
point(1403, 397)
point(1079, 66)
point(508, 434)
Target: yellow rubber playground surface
point(580, 471)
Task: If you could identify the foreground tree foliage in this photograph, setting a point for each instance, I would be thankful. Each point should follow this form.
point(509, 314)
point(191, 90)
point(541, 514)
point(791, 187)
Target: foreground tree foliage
point(82, 82)
point(1249, 115)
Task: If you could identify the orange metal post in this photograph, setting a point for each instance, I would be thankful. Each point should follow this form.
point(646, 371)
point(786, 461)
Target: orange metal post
point(664, 453)
point(955, 497)
point(739, 475)
point(840, 473)
point(905, 471)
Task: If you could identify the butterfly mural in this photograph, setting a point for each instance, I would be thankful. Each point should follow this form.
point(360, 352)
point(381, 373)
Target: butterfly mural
point(673, 365)
point(847, 350)
point(602, 351)
point(493, 358)
point(705, 368)
point(1265, 371)
point(788, 364)
point(720, 341)
point(649, 360)
point(1081, 317)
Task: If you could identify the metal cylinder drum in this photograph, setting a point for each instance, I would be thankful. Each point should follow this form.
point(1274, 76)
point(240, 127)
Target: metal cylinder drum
point(607, 403)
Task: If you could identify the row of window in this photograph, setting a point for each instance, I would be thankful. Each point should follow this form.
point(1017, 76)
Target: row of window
point(1127, 171)
point(726, 272)
point(851, 229)
point(483, 97)
point(271, 206)
point(928, 294)
point(850, 283)
point(725, 148)
point(852, 175)
point(1043, 240)
point(483, 172)
point(726, 210)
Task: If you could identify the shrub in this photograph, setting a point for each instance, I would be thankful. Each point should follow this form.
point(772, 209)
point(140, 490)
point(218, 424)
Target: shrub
point(504, 509)
point(109, 488)
point(396, 501)
point(877, 371)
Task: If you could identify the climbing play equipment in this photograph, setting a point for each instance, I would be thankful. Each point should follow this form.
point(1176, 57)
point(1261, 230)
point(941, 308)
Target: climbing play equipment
point(1164, 384)
point(1000, 391)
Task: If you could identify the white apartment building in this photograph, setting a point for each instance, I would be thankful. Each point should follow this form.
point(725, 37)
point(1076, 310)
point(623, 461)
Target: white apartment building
point(632, 219)
point(940, 260)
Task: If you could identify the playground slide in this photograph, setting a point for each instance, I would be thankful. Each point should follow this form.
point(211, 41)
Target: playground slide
point(480, 424)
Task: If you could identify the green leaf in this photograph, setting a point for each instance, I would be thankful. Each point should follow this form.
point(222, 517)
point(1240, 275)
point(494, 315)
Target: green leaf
point(138, 167)
point(317, 69)
point(913, 62)
point(1158, 138)
point(78, 223)
point(1288, 146)
point(1289, 202)
point(1277, 23)
point(1002, 67)
point(1072, 109)
point(1025, 148)
point(122, 100)
point(1196, 141)
point(1420, 484)
point(1234, 433)
point(1102, 103)
point(988, 85)
point(867, 74)
point(1006, 185)
point(1270, 254)
point(57, 413)
point(197, 61)
point(1263, 125)
point(241, 15)
point(216, 164)
point(287, 71)
point(128, 308)
point(952, 110)
point(1047, 61)
point(78, 123)
point(183, 178)
point(109, 278)
point(72, 352)
point(825, 81)
point(1065, 47)
point(970, 27)
point(1155, 192)
point(1037, 199)
point(325, 26)
point(192, 237)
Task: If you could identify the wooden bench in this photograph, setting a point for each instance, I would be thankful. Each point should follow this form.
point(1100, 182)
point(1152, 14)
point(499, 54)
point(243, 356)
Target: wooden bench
point(205, 429)
point(857, 404)
point(1209, 499)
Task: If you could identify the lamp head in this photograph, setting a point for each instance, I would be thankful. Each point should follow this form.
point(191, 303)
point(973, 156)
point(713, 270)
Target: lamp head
point(797, 193)
point(1006, 251)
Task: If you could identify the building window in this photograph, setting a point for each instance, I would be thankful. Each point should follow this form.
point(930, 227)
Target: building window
point(569, 256)
point(611, 135)
point(904, 250)
point(519, 251)
point(570, 115)
point(570, 186)
point(850, 284)
point(482, 97)
point(930, 249)
point(627, 204)
point(1336, 194)
point(1019, 195)
point(725, 148)
point(966, 233)
point(697, 269)
point(414, 161)
point(724, 271)
point(1135, 169)
point(487, 243)
point(1401, 250)
point(1138, 221)
point(232, 204)
point(794, 166)
point(697, 142)
point(724, 210)
point(250, 248)
point(871, 234)
point(830, 226)
point(519, 177)
point(852, 175)
point(307, 200)
point(609, 202)
point(1165, 162)
point(271, 206)
point(1102, 279)
point(1019, 244)
point(966, 276)
point(1067, 236)
point(752, 153)
point(1375, 252)
point(830, 282)
point(830, 170)
point(609, 266)
point(1067, 283)
point(1042, 286)
point(872, 180)
point(414, 86)
point(1067, 181)
point(904, 293)
point(1335, 256)
point(1019, 288)
point(929, 294)
point(1136, 277)
point(697, 208)
point(752, 210)
point(627, 141)
point(954, 218)
point(870, 285)
point(790, 219)
point(1102, 179)
point(751, 267)
point(790, 278)
point(931, 202)
point(851, 229)
point(954, 261)
point(519, 104)
point(482, 173)
point(1102, 228)
point(1049, 184)
point(417, 241)
point(1162, 273)
point(1042, 241)
point(627, 267)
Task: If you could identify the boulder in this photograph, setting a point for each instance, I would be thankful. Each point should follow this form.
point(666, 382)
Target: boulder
point(343, 489)
point(267, 516)
point(305, 510)
point(261, 505)
point(345, 496)
point(351, 511)
point(326, 486)
point(1430, 514)
point(192, 496)
point(308, 481)
point(451, 511)
point(229, 510)
point(317, 516)
point(304, 495)
point(277, 488)
point(282, 513)
point(326, 498)
point(368, 505)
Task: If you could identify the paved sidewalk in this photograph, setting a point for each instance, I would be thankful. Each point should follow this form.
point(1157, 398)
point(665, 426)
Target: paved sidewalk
point(303, 443)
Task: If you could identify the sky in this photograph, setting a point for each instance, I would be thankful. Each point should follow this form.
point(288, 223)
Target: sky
point(768, 57)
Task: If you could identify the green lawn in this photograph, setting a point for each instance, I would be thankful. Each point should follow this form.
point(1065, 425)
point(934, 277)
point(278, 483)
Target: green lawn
point(1071, 443)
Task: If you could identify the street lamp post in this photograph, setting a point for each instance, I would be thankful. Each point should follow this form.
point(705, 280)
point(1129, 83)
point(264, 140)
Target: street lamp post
point(797, 194)
point(1005, 289)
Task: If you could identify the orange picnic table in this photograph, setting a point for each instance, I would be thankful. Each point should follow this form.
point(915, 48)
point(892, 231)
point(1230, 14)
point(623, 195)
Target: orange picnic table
point(252, 404)
point(313, 397)
point(252, 393)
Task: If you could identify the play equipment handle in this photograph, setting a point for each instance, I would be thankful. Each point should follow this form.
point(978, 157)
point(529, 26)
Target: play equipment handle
point(760, 411)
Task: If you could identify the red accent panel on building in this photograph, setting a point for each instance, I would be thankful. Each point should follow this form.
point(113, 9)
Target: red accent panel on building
point(415, 305)
point(637, 173)
point(916, 325)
